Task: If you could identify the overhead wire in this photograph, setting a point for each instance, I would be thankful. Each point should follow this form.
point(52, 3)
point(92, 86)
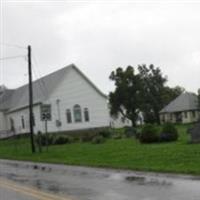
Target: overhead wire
point(41, 82)
point(12, 45)
point(12, 57)
point(35, 67)
point(37, 75)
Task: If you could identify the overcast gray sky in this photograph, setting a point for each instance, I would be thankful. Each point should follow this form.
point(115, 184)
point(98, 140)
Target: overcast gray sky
point(99, 36)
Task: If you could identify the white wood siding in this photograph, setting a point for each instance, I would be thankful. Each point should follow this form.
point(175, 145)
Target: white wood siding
point(3, 126)
point(74, 89)
point(16, 116)
point(190, 117)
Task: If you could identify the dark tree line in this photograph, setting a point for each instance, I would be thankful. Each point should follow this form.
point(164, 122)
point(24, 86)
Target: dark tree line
point(199, 98)
point(144, 91)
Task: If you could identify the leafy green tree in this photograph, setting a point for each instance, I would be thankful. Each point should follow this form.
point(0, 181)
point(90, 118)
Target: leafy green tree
point(199, 98)
point(170, 94)
point(126, 97)
point(143, 91)
point(153, 88)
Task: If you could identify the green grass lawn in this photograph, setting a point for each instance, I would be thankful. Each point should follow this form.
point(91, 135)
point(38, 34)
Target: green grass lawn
point(176, 157)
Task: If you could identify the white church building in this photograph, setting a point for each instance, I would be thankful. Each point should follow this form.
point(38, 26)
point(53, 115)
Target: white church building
point(75, 102)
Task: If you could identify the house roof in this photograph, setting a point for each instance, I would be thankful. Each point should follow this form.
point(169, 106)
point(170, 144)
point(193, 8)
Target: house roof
point(185, 102)
point(5, 98)
point(42, 88)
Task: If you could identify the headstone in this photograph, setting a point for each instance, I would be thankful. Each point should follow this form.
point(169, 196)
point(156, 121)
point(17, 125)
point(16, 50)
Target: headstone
point(195, 133)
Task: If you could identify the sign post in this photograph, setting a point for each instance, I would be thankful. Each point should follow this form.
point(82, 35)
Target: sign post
point(46, 116)
point(46, 132)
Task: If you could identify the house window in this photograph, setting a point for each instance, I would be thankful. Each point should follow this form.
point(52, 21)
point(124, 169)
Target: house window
point(86, 115)
point(185, 113)
point(12, 124)
point(193, 114)
point(22, 122)
point(171, 116)
point(123, 120)
point(69, 116)
point(163, 118)
point(77, 113)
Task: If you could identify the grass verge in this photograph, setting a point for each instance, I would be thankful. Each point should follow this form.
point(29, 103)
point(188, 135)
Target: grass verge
point(175, 157)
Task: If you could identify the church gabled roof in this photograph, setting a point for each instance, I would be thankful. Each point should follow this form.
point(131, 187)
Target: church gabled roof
point(5, 98)
point(19, 98)
point(185, 102)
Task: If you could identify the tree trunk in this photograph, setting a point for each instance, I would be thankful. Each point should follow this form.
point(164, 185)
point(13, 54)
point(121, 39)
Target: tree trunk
point(157, 118)
point(133, 122)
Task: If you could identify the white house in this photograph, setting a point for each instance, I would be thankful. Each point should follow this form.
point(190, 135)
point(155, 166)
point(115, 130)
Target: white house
point(183, 109)
point(76, 103)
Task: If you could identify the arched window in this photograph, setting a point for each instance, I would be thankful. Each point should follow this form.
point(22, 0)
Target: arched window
point(86, 115)
point(77, 113)
point(69, 116)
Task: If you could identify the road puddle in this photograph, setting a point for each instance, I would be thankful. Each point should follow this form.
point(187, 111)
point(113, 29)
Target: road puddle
point(148, 181)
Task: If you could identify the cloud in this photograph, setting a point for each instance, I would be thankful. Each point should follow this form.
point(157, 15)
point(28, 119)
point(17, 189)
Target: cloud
point(100, 36)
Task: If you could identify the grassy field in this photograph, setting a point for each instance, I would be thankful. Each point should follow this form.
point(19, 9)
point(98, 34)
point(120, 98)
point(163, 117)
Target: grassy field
point(176, 157)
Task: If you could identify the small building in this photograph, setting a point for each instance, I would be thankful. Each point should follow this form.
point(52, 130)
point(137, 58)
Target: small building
point(75, 104)
point(183, 109)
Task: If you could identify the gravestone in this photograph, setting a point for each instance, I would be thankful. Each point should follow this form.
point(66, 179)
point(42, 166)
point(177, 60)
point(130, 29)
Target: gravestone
point(195, 133)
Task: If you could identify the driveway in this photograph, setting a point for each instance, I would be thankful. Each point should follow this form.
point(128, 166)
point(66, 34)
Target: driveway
point(83, 183)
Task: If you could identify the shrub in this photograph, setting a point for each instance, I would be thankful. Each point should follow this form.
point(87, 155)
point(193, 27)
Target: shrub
point(137, 135)
point(105, 133)
point(149, 134)
point(87, 137)
point(169, 133)
point(44, 139)
point(98, 140)
point(62, 140)
point(117, 136)
point(50, 139)
point(130, 131)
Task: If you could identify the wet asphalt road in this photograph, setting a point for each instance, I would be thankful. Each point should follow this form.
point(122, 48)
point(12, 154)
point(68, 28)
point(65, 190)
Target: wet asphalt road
point(7, 194)
point(82, 183)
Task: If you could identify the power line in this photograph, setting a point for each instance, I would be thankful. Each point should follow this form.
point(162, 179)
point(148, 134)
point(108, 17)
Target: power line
point(12, 45)
point(12, 57)
point(39, 82)
point(43, 85)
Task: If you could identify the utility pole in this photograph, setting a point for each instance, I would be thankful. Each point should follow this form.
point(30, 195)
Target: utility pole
point(30, 100)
